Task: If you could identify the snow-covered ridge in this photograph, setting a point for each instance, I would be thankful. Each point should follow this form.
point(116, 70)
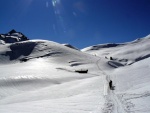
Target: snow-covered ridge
point(110, 45)
point(128, 52)
point(33, 49)
point(101, 46)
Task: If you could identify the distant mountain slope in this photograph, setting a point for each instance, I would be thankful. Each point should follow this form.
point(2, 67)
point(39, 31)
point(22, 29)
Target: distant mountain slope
point(126, 52)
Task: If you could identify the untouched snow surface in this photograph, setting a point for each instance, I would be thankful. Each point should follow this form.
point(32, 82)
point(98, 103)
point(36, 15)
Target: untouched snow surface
point(38, 76)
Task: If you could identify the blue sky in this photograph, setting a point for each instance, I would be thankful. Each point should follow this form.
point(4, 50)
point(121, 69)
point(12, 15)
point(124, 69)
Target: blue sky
point(79, 22)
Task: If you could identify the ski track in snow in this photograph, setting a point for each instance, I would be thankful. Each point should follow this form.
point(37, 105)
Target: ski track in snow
point(113, 104)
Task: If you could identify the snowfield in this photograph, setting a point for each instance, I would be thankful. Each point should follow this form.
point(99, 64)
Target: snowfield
point(39, 76)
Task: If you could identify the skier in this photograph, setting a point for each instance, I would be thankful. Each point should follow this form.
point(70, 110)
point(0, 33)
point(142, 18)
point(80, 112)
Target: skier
point(110, 84)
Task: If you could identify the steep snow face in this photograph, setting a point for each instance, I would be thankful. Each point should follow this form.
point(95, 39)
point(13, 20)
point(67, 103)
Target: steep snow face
point(126, 53)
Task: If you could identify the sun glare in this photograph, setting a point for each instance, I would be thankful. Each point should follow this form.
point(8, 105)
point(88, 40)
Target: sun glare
point(59, 14)
point(54, 2)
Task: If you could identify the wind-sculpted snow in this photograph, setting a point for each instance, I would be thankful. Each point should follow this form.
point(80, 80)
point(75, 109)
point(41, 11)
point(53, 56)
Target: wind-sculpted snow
point(30, 82)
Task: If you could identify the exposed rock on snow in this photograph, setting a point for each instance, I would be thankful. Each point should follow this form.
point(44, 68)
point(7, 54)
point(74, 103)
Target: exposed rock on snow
point(115, 64)
point(13, 36)
point(70, 46)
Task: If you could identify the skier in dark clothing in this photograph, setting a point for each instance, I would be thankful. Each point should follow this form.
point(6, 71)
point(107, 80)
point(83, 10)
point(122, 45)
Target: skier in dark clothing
point(110, 84)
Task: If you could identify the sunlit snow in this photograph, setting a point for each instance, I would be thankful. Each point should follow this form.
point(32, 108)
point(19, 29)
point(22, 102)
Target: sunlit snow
point(39, 76)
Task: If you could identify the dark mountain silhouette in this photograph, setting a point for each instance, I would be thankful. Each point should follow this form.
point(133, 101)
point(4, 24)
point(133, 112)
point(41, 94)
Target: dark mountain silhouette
point(12, 37)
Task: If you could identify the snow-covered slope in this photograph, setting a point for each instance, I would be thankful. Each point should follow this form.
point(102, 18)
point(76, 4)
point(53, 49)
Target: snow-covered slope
point(126, 52)
point(47, 81)
point(39, 76)
point(37, 49)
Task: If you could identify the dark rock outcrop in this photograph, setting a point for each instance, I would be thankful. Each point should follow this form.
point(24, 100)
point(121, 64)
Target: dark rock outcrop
point(12, 37)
